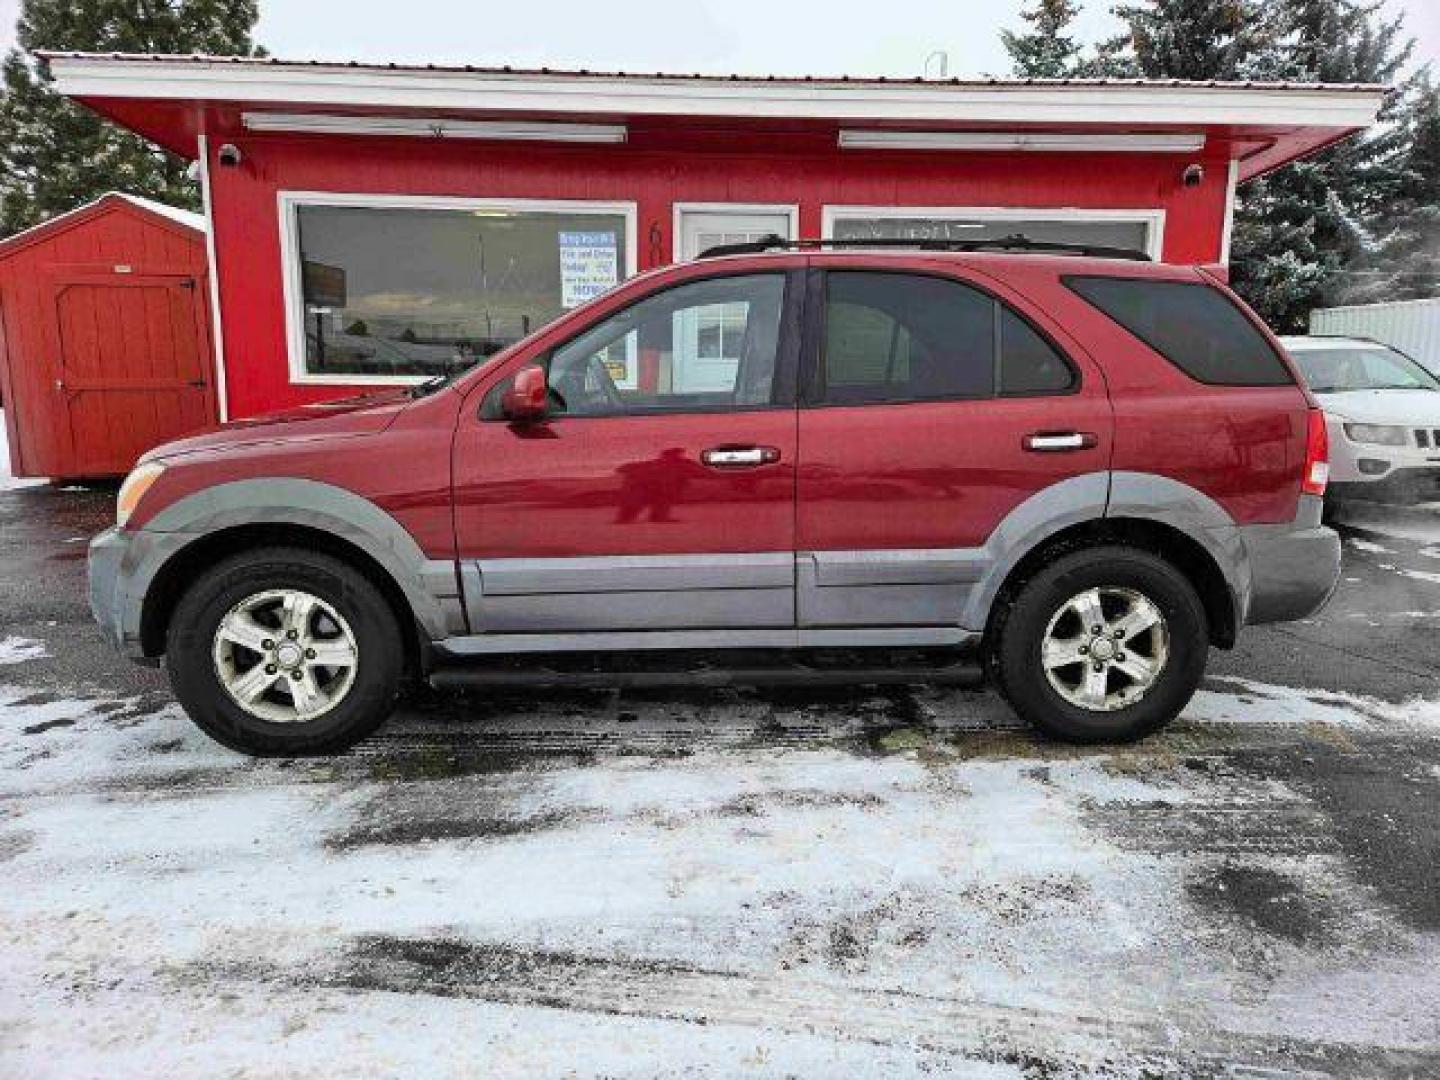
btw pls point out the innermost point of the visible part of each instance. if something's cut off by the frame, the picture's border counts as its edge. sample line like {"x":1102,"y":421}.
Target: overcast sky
{"x":851,"y":37}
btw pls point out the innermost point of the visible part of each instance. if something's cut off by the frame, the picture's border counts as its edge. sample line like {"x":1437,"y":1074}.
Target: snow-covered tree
{"x":1193,"y":39}
{"x":1304,"y":234}
{"x":55,"y":154}
{"x":1311,"y":232}
{"x":1403,"y":260}
{"x":1047,"y":50}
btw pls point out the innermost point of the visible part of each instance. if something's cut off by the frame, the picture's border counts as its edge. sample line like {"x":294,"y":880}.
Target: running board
{"x":965,"y":672}
{"x":845,"y":637}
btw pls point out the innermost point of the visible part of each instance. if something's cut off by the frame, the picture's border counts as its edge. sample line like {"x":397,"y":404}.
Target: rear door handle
{"x":740,"y":457}
{"x":1057,"y":442}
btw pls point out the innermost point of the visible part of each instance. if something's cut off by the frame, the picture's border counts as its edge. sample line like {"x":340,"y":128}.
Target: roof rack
{"x":1015,"y":242}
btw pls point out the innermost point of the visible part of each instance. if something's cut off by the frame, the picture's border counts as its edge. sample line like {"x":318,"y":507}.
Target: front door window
{"x":641,"y":359}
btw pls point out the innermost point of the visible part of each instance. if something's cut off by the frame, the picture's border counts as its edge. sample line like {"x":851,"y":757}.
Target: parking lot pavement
{"x":729,"y":882}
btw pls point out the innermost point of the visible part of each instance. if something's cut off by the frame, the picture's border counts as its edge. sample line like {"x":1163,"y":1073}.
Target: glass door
{"x":708,"y":340}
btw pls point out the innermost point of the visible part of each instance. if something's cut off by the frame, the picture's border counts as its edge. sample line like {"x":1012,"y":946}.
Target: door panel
{"x":897,"y":500}
{"x":592,"y":523}
{"x":133,"y":366}
{"x":645,"y":507}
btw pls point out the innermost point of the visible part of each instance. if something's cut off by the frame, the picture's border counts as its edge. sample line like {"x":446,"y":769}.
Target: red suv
{"x":1083,"y":470}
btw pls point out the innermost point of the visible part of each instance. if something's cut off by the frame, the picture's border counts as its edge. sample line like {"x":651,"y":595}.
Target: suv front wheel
{"x":283,"y":651}
{"x":1106,"y":644}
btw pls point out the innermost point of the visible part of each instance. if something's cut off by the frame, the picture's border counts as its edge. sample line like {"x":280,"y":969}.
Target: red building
{"x":381,"y":224}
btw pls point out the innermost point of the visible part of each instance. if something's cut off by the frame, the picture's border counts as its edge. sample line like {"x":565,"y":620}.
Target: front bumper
{"x":114,"y":560}
{"x":1406,"y":486}
{"x":1294,"y":567}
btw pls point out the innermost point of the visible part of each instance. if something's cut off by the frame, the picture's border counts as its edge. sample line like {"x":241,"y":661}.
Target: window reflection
{"x":420,"y":292}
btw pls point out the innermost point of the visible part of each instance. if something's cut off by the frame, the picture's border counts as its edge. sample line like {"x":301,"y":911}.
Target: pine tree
{"x":1046,"y":51}
{"x":55,"y":154}
{"x":1304,"y":233}
{"x":1403,"y":263}
{"x":1192,"y":39}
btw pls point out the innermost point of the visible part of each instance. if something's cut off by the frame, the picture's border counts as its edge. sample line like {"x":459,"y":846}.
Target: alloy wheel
{"x":1105,"y":648}
{"x":285,"y":655}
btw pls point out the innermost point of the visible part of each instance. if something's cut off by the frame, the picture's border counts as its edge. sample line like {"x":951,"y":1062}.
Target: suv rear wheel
{"x":283,"y":651}
{"x":1106,"y":644}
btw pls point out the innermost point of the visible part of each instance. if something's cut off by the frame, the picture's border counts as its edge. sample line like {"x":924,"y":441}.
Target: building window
{"x":406,"y":289}
{"x":1134,"y":230}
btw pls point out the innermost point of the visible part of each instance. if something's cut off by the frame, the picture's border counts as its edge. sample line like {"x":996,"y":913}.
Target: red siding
{"x":655,"y":171}
{"x":81,"y":254}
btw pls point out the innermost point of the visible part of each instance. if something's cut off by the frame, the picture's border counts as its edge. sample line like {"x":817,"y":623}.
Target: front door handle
{"x":1053,"y":442}
{"x":740,"y":457}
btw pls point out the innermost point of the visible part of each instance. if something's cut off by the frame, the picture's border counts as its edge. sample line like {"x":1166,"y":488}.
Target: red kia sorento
{"x":1076,"y":469}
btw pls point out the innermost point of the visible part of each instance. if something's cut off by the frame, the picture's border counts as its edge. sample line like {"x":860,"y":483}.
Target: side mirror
{"x":528,"y":398}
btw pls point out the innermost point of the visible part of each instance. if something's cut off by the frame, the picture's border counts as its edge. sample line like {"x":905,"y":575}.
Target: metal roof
{"x":582,"y":73}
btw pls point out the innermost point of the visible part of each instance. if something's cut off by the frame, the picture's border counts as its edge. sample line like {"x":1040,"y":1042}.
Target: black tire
{"x":188,"y":656}
{"x":1019,"y":630}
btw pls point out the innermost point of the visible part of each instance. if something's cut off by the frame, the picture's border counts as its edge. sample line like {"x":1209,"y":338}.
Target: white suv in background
{"x":1383,"y":414}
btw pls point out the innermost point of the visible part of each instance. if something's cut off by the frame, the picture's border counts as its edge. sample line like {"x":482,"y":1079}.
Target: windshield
{"x":1361,"y":367}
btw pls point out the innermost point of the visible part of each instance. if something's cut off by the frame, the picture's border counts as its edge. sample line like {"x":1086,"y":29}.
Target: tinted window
{"x":1028,"y":363}
{"x":905,"y":337}
{"x":709,"y":345}
{"x":1196,"y":327}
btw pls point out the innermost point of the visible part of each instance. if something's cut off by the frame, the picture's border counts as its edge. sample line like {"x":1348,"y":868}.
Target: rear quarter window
{"x":1193,"y":325}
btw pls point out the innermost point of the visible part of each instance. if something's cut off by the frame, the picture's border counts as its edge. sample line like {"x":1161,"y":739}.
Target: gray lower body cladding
{"x":758,"y":600}
{"x":115,"y":609}
{"x":1294,"y":567}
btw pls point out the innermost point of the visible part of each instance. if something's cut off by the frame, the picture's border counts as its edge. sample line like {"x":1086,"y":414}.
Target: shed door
{"x":133,"y":366}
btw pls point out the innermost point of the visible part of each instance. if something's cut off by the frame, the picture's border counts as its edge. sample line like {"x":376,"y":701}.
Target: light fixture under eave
{"x":1183,"y":142}
{"x":436,"y":127}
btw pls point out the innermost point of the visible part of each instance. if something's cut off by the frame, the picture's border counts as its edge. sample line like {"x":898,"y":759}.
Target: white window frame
{"x":1153,"y":219}
{"x":289,"y":202}
{"x":680,"y":209}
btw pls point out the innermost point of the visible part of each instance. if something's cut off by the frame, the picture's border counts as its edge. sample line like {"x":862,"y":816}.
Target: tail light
{"x":1317,"y":455}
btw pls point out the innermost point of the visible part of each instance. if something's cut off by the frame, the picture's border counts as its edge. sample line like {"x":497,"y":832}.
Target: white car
{"x":1383,"y":414}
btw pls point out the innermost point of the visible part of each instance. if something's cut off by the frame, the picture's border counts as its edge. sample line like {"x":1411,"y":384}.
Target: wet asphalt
{"x":1369,"y":798}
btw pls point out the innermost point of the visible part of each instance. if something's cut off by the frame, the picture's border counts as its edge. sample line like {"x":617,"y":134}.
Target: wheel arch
{"x":1153,"y":513}
{"x":220,"y":521}
{"x":1158,"y":538}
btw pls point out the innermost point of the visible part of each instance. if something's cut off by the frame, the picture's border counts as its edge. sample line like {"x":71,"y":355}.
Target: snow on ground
{"x":17,"y":650}
{"x":7,"y":481}
{"x":933,"y":900}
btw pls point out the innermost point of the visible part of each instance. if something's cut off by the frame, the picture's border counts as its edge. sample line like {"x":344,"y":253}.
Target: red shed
{"x":104,"y":336}
{"x":380,"y":224}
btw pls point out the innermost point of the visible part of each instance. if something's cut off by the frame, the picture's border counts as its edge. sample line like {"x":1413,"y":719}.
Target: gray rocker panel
{"x":905,"y":636}
{"x":630,"y":592}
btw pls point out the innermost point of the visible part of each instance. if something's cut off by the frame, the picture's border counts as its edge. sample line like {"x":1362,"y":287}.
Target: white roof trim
{"x":189,"y":218}
{"x":351,"y":88}
{"x":183,"y":217}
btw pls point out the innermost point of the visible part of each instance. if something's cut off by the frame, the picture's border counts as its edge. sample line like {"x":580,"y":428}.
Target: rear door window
{"x":893,"y":337}
{"x":1028,"y":363}
{"x":905,"y":337}
{"x":1193,"y":325}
